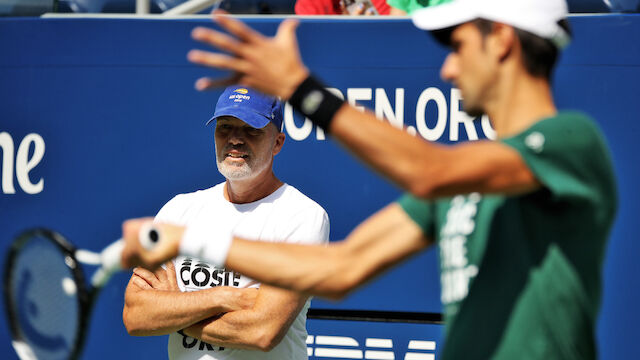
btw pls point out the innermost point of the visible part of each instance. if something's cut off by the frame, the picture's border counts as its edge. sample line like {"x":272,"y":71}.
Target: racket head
{"x":46,"y":298}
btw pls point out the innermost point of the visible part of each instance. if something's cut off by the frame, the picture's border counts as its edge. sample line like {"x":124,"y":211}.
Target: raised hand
{"x":269,"y":64}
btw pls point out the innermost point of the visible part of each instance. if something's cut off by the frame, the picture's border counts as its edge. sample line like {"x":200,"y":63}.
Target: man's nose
{"x":236,"y":137}
{"x":449,"y":69}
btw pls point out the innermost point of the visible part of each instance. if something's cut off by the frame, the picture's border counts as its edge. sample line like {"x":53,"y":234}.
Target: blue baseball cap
{"x":250,"y":106}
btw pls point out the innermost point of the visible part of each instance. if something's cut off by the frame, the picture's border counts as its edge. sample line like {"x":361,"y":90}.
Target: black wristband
{"x":315,"y":102}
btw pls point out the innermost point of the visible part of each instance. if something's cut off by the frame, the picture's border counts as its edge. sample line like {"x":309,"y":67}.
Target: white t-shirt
{"x":285,"y":215}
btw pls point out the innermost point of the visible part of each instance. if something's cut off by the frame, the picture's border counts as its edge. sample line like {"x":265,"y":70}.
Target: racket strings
{"x":45,"y":299}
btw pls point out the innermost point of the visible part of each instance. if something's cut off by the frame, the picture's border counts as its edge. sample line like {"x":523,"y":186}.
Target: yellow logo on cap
{"x":241,"y":91}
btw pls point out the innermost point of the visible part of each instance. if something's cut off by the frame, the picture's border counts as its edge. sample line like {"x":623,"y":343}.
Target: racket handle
{"x":111,"y":256}
{"x":149,"y":236}
{"x":111,"y":259}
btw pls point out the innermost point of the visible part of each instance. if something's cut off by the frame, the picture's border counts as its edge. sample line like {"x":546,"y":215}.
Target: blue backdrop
{"x":99,"y":122}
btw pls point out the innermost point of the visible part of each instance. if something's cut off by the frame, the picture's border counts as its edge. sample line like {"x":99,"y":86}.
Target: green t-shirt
{"x":520,"y":275}
{"x":410,"y":6}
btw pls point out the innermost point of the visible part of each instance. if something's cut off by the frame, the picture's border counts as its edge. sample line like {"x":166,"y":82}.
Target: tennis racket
{"x":47,"y":299}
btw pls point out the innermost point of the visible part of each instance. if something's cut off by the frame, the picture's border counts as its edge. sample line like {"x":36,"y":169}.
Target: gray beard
{"x":234,"y":172}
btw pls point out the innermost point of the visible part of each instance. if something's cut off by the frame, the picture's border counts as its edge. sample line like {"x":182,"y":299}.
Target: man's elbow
{"x":266,"y":345}
{"x":136,"y":332}
{"x":346,"y":287}
{"x":133,"y":327}
{"x":129,"y":324}
{"x":425,"y":181}
{"x":341,"y":276}
{"x":340,"y":288}
{"x":420,"y":189}
{"x":268,"y":340}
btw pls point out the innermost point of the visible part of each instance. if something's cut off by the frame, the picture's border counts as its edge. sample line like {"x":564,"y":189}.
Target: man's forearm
{"x":222,"y":332}
{"x":427,"y":170}
{"x":259,"y":328}
{"x":332,"y":271}
{"x":392,"y":152}
{"x":412,"y":163}
{"x":157,"y":312}
{"x":291,"y":266}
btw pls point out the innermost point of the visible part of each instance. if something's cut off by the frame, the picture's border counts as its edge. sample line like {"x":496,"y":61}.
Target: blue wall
{"x":112,"y":101}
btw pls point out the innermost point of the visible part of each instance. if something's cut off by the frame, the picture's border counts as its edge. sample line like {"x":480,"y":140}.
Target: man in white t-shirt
{"x":211,"y":313}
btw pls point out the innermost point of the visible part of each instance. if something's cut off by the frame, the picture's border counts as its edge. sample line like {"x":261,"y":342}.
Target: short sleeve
{"x":421,"y":211}
{"x":308,"y":226}
{"x":569,"y":156}
{"x":172,"y":211}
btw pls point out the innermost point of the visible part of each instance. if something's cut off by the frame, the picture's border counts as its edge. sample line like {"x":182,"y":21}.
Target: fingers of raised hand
{"x":218,"y":40}
{"x":207,"y":83}
{"x":237,"y":28}
{"x":287,"y":31}
{"x":219,"y":61}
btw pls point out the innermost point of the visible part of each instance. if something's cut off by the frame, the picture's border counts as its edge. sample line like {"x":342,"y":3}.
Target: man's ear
{"x":280,"y":137}
{"x":502,"y":40}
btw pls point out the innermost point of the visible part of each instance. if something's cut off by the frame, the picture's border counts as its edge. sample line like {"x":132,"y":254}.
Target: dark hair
{"x":538,"y":54}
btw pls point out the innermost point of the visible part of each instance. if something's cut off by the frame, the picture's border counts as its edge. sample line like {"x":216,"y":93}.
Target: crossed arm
{"x":255,"y":319}
{"x":260,"y":327}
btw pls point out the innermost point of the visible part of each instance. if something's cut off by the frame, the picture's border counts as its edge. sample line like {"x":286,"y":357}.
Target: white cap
{"x":539,"y":17}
